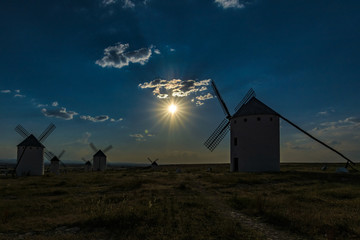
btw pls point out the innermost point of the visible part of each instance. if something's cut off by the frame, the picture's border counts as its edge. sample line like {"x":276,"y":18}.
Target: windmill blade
{"x":156,"y":160}
{"x":20,"y":158}
{"x":93,"y":147}
{"x":61,"y":154}
{"x":248,"y":96}
{"x":107,"y":149}
{"x":22,"y":131}
{"x":218,"y":135}
{"x":149,"y":160}
{"x":84,"y":159}
{"x":47,"y":132}
{"x":317,"y":140}
{"x":62,"y":163}
{"x":222,"y":103}
{"x":49,"y":155}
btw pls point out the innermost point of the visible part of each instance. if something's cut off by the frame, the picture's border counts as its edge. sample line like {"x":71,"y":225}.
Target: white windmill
{"x":55,"y":161}
{"x":255,"y":135}
{"x":99,"y":158}
{"x":30,"y":152}
{"x":154,"y":163}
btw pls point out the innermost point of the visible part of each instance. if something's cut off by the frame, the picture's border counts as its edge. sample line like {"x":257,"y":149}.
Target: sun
{"x":172,"y":108}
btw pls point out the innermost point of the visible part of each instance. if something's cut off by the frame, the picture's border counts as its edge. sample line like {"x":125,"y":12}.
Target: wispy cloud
{"x":142,"y":137}
{"x":157,"y":51}
{"x":138,"y":137}
{"x":108,"y":2}
{"x":19,"y":95}
{"x":326,"y":112}
{"x":172,"y":49}
{"x":230,"y":4}
{"x":59,"y":113}
{"x":101,"y":118}
{"x":117,"y":57}
{"x":116,"y":120}
{"x":177,"y":88}
{"x":5,"y":91}
{"x":128,"y":4}
{"x":55,"y":104}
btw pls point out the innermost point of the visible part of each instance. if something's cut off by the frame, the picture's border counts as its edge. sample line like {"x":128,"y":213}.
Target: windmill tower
{"x":154,"y":163}
{"x":99,"y":158}
{"x":30,"y":152}
{"x":55,"y":161}
{"x":255,"y":135}
{"x":88,"y":165}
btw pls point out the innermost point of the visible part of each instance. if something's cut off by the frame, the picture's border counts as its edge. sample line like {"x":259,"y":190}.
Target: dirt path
{"x":253,"y":223}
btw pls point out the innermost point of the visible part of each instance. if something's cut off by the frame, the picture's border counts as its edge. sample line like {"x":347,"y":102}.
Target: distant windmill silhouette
{"x":55,"y":161}
{"x":99,"y":158}
{"x":255,"y":135}
{"x":154,"y":163}
{"x":88,"y":164}
{"x":30,"y":152}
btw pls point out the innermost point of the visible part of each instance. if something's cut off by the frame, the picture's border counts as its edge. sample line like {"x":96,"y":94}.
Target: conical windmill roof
{"x":31,"y":141}
{"x":99,"y":154}
{"x":254,"y":107}
{"x":55,"y":159}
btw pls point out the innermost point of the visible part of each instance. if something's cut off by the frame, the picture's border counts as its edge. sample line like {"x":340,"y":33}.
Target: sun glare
{"x":172,"y":108}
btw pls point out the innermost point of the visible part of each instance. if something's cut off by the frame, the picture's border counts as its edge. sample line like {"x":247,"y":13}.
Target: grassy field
{"x":300,"y":202}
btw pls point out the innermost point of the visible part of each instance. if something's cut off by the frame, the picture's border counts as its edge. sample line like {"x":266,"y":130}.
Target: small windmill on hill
{"x":154,"y":163}
{"x":30,"y":152}
{"x":55,"y":161}
{"x":255,"y":135}
{"x":88,"y":165}
{"x":99,"y":158}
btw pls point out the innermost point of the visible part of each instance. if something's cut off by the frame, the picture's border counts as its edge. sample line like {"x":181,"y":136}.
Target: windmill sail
{"x":317,"y":140}
{"x":47,"y":132}
{"x":222,"y":103}
{"x":22,"y":131}
{"x":218,"y":135}
{"x":248,"y":96}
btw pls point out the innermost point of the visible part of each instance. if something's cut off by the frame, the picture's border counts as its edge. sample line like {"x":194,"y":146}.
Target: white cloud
{"x":41,"y":105}
{"x":55,"y":104}
{"x":116,"y":120}
{"x":229,"y":4}
{"x":19,"y":95}
{"x":100,"y":118}
{"x":128,"y":4}
{"x":17,"y":90}
{"x":117,"y":57}
{"x":138,"y":137}
{"x":157,"y":51}
{"x":108,"y":2}
{"x":326,"y":112}
{"x":205,"y":97}
{"x":177,"y":87}
{"x":172,"y":50}
{"x":5,"y":91}
{"x":59,"y":113}
{"x":85,"y":138}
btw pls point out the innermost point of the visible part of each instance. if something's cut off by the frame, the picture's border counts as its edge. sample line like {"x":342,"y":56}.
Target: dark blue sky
{"x":98,"y":68}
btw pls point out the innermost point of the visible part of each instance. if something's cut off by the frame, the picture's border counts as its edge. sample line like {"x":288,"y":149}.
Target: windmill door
{"x":236,"y":164}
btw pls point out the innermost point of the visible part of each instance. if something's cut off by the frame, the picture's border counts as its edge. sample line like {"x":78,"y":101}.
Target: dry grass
{"x":163,"y":204}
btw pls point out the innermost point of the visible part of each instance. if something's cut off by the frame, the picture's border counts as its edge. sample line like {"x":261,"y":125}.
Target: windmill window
{"x":245,"y":119}
{"x":258,"y":118}
{"x":271,"y":119}
{"x":235,"y":141}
